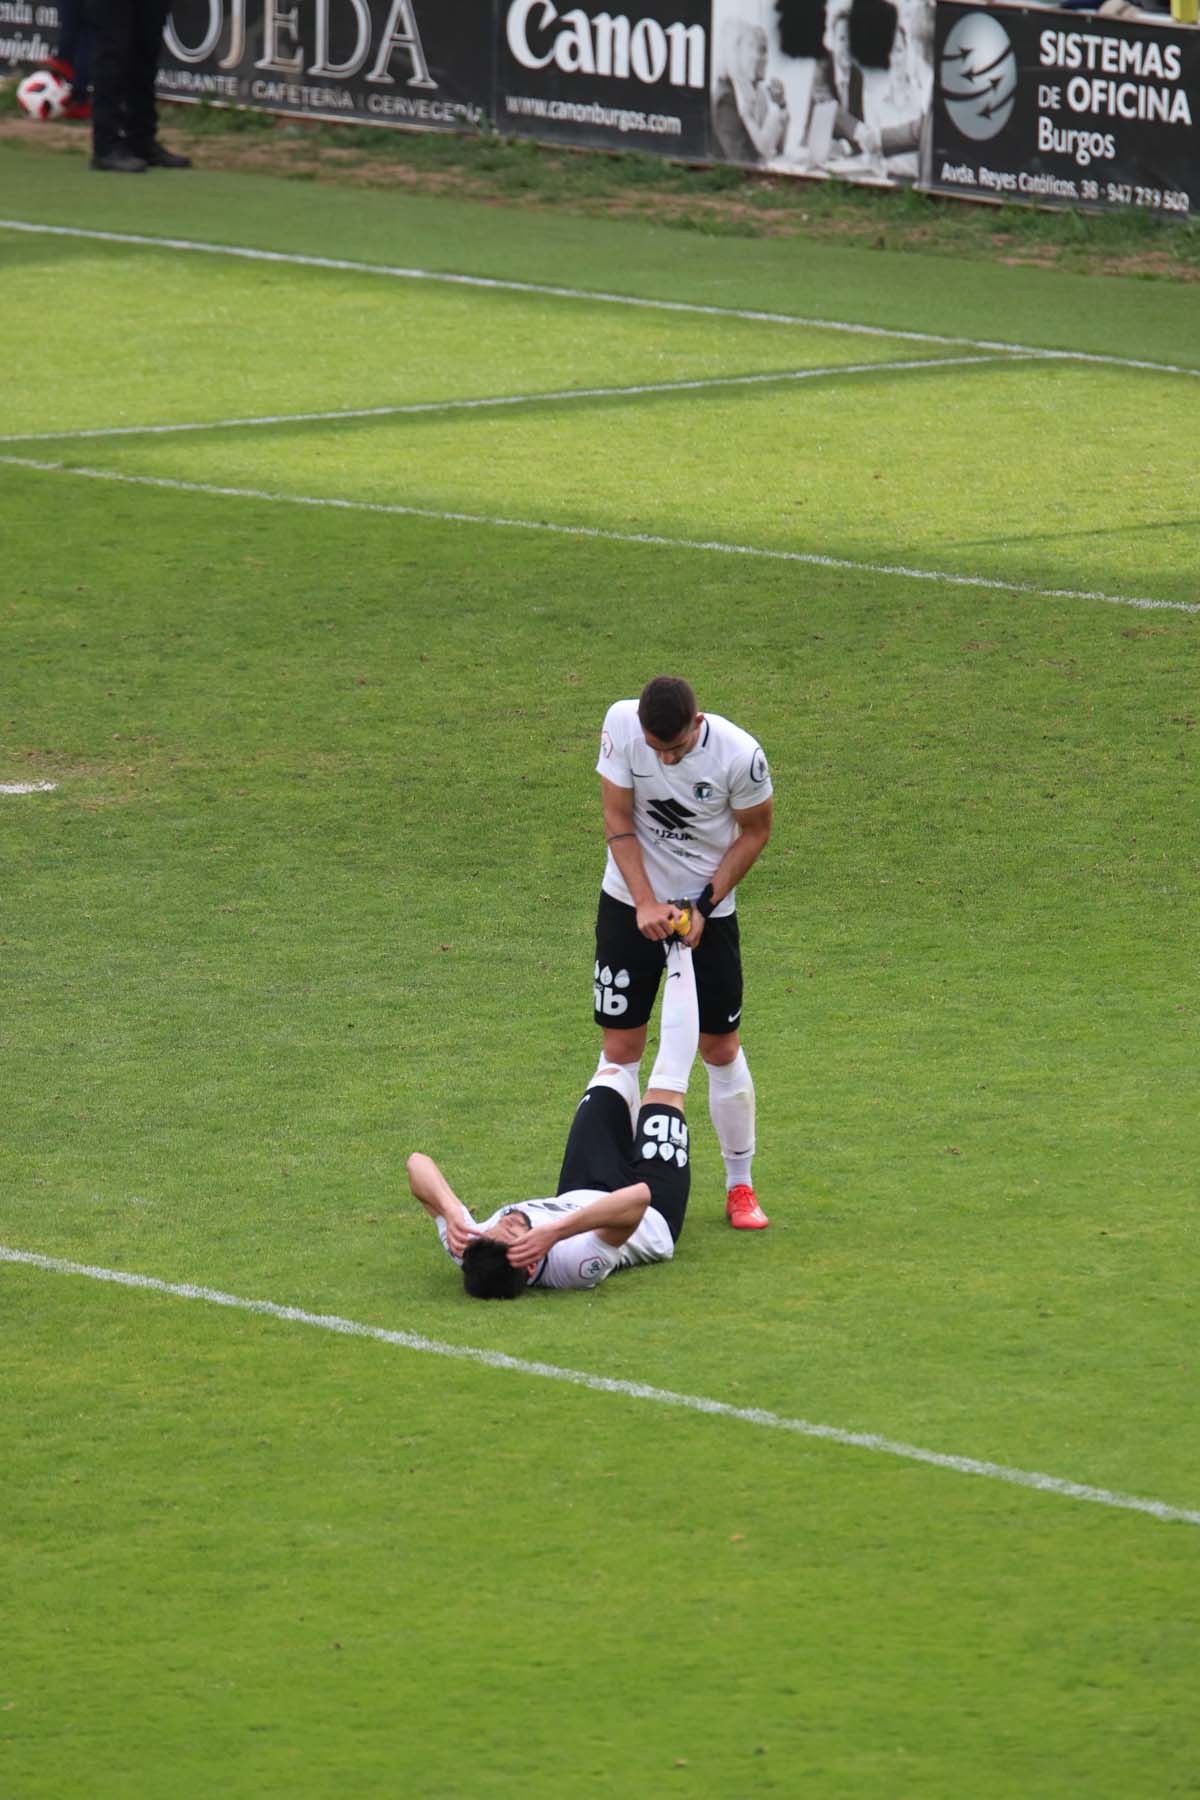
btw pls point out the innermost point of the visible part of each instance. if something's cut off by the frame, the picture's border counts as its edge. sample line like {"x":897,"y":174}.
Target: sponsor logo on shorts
{"x":610,"y":999}
{"x":665,"y":1138}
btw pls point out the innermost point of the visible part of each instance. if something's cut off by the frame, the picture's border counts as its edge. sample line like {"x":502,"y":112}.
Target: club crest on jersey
{"x":591,"y":1266}
{"x":606,"y":744}
{"x":703,"y":790}
{"x":758,"y":766}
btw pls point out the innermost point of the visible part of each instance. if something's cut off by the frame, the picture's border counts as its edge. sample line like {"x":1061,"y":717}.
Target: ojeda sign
{"x":400,"y":62}
{"x":284,"y":51}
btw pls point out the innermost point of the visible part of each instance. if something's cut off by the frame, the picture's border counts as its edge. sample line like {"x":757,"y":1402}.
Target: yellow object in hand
{"x":683,"y":923}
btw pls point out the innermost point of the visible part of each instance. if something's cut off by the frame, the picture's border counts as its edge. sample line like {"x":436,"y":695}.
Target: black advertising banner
{"x":425,"y":63}
{"x":28,"y":31}
{"x":590,"y":74}
{"x":1065,"y":109}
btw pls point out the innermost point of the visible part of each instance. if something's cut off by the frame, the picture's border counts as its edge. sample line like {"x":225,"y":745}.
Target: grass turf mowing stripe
{"x":592,"y":296}
{"x":633,"y":1390}
{"x":394,"y":509}
{"x":555,"y":394}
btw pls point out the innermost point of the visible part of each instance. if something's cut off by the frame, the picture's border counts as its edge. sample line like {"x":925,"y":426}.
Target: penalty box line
{"x":596,"y":533}
{"x":419,"y":407}
{"x":631,"y":1390}
{"x":546,"y":290}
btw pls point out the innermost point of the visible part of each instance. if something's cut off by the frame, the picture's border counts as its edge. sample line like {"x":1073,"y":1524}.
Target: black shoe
{"x":159,"y":157}
{"x":120,"y":161}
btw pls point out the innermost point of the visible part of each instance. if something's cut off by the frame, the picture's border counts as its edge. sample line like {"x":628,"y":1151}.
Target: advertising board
{"x":424,"y":63}
{"x":590,"y":74}
{"x":1001,"y":102}
{"x":1065,"y":109}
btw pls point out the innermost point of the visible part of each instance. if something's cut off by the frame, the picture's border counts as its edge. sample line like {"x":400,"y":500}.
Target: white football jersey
{"x":682,"y":812}
{"x":583,"y":1261}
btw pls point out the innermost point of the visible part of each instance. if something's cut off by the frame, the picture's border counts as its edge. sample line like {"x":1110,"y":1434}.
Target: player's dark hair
{"x":488,"y":1274}
{"x":667,"y":707}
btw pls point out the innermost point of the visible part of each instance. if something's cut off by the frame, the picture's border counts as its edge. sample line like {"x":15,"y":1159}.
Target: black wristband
{"x":705,"y":903}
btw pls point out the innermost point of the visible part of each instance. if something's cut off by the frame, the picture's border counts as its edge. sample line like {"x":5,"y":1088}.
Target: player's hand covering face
{"x":459,"y":1235}
{"x":508,"y":1229}
{"x":529,"y":1249}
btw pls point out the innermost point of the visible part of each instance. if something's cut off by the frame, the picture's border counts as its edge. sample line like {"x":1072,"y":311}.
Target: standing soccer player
{"x":687,"y":811}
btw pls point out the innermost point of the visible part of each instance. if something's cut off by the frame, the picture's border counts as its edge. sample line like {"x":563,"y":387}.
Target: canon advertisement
{"x":590,"y":74}
{"x":1065,"y":109}
{"x":423,"y":63}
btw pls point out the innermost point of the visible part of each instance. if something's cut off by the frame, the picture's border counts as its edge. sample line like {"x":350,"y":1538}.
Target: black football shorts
{"x":629,"y":968}
{"x":603,"y":1152}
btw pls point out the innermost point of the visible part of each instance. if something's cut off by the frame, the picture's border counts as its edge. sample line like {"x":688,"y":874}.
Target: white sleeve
{"x":613,"y":762}
{"x":750,"y":779}
{"x":578,"y":1262}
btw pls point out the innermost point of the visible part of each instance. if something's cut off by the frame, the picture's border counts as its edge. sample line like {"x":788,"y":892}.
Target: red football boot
{"x":743,"y":1211}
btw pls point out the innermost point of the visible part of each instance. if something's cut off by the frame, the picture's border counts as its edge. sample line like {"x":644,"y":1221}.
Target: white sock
{"x":628,"y":1088}
{"x":679,"y":1027}
{"x":731,"y":1108}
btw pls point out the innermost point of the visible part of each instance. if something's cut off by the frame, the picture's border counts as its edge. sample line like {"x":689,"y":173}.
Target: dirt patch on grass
{"x":717,"y":202}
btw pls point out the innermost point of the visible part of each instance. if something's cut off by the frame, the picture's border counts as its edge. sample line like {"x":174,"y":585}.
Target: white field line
{"x":588,"y":295}
{"x":632,"y":1390}
{"x":598,"y":533}
{"x":27,"y":787}
{"x":555,"y":394}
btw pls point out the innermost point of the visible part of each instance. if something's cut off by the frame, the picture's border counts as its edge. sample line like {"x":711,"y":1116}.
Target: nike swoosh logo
{"x":674,"y":975}
{"x":734,"y":1017}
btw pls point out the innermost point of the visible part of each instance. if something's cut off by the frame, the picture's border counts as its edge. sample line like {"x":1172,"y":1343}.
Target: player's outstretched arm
{"x":613,"y":1217}
{"x":440,"y":1201}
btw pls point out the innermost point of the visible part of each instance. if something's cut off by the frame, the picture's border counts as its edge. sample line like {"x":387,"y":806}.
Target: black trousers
{"x":126,"y":45}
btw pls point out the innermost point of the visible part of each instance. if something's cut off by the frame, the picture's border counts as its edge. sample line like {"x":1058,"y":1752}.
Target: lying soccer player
{"x":623,"y":1187}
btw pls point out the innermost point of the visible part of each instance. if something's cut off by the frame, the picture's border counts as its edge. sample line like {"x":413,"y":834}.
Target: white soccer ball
{"x":43,"y":95}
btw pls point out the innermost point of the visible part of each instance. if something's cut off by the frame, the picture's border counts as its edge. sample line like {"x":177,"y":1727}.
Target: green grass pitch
{"x":314,"y":887}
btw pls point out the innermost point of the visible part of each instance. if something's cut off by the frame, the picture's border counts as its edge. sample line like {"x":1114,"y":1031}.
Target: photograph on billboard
{"x":823,"y":87}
